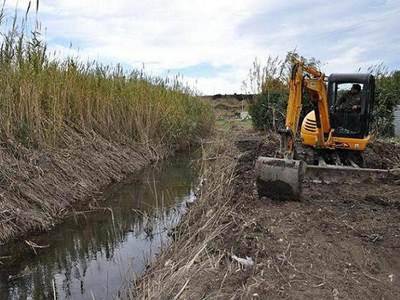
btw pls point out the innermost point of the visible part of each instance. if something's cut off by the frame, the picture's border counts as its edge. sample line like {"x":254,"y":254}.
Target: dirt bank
{"x":340,"y":242}
{"x":39,"y":187}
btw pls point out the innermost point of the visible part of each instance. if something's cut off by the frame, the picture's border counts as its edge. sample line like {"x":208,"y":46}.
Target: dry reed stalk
{"x":41,"y":96}
{"x":191,"y":252}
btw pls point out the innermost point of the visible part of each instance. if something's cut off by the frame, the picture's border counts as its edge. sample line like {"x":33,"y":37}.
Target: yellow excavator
{"x":332,"y":136}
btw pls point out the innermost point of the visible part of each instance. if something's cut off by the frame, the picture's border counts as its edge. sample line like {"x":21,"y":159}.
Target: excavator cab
{"x":351,"y":100}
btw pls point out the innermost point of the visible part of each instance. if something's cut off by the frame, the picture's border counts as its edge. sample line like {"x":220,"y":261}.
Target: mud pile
{"x":382,"y":155}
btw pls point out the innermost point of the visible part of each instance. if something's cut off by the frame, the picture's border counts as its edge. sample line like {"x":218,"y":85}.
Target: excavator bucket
{"x":279,"y":179}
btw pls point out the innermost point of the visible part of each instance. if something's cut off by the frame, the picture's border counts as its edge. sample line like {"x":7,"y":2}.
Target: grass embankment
{"x":67,"y":128}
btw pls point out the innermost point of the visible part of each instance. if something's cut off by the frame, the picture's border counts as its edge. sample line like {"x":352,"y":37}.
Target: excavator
{"x":332,"y":139}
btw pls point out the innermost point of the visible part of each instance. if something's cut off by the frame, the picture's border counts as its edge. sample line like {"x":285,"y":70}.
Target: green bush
{"x":268,"y":110}
{"x":387,"y":96}
{"x":269,"y":81}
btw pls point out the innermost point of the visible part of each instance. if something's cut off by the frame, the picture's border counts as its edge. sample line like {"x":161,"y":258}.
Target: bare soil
{"x":341,"y":241}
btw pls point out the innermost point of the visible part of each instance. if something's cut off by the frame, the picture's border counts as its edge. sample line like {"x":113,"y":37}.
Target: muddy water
{"x":93,"y":254}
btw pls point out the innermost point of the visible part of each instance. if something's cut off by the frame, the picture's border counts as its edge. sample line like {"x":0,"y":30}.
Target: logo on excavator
{"x":342,"y":145}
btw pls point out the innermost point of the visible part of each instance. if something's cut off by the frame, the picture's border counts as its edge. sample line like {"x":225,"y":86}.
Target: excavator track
{"x":325,"y":157}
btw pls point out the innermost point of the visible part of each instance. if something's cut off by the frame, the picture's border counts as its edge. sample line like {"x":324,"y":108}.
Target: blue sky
{"x":213,"y":43}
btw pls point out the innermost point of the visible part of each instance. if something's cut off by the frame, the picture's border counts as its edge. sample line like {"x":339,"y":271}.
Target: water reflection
{"x":90,"y":255}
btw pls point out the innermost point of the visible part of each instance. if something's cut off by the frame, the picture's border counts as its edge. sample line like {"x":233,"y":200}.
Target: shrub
{"x":387,"y":96}
{"x":268,"y":110}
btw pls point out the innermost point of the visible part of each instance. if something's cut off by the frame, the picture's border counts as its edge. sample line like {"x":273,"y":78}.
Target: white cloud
{"x":224,"y":82}
{"x":176,"y":34}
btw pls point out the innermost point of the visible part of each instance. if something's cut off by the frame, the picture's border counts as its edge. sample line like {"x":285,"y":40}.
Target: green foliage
{"x":387,"y":96}
{"x":268,"y":110}
{"x":269,"y":83}
{"x":40,"y":96}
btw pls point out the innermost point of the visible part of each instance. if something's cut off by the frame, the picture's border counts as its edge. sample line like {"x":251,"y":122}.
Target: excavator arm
{"x":302,"y":78}
{"x":281,"y":178}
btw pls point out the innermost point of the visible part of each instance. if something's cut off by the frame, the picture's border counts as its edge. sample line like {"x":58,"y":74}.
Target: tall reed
{"x":41,"y":96}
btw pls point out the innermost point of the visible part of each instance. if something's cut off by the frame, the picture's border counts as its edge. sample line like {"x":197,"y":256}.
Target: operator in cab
{"x":351,"y":100}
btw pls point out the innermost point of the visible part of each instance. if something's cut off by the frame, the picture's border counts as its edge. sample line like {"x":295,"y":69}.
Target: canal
{"x":95,"y":252}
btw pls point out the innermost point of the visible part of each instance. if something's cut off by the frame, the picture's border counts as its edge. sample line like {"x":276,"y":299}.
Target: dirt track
{"x":341,"y":241}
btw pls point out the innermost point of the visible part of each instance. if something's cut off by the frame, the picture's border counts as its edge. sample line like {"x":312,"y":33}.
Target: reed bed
{"x":41,"y":95}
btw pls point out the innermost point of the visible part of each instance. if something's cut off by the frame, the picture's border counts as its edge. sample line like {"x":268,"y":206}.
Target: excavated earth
{"x":341,"y":241}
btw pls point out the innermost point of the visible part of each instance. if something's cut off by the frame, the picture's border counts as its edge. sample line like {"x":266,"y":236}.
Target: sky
{"x":212,"y":44}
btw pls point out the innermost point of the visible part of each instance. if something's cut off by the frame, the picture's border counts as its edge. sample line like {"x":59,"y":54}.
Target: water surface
{"x":93,"y":254}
